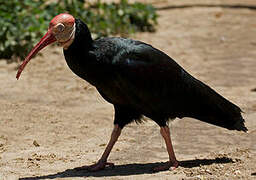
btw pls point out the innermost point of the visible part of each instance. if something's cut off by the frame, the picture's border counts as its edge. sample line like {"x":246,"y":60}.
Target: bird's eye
{"x":60,"y":27}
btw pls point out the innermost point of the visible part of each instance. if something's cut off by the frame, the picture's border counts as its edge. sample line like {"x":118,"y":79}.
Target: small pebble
{"x":35,"y":143}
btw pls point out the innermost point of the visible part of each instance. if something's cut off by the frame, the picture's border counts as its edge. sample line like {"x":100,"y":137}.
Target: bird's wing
{"x":149,"y":78}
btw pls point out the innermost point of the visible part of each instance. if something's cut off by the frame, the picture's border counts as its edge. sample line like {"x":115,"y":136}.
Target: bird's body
{"x":139,"y":80}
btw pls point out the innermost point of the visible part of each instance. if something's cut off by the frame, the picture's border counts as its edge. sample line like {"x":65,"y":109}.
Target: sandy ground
{"x":52,"y":122}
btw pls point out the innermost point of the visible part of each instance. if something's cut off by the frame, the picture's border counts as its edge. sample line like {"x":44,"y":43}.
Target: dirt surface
{"x":52,"y":122}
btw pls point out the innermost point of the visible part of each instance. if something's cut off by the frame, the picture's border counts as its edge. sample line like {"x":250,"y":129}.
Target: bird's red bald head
{"x":63,"y":18}
{"x":61,"y":29}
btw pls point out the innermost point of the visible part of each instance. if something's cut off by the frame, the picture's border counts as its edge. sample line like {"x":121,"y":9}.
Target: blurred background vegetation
{"x":23,"y":22}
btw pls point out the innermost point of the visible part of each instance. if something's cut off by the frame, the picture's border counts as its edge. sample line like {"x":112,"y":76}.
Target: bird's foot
{"x":100,"y":165}
{"x":167,"y":166}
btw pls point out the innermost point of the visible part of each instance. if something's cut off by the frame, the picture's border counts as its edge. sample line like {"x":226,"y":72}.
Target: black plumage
{"x":140,"y":80}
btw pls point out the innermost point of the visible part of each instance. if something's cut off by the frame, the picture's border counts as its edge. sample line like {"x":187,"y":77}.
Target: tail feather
{"x":215,"y":109}
{"x":239,"y":125}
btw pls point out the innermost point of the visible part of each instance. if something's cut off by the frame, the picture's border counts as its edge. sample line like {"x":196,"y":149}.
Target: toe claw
{"x":111,"y":165}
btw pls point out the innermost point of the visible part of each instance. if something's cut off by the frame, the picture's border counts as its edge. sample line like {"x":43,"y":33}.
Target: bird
{"x":139,"y":81}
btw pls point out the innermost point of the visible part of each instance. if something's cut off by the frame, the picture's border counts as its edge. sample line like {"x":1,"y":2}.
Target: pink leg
{"x":102,"y":163}
{"x":172,"y":163}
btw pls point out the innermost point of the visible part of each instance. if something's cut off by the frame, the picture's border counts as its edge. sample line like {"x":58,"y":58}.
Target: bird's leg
{"x":172,"y":163}
{"x":114,"y":136}
{"x":102,"y":163}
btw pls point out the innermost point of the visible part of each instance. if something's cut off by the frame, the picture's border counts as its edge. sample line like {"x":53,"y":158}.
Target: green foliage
{"x":18,"y":28}
{"x":23,"y":22}
{"x":122,"y":18}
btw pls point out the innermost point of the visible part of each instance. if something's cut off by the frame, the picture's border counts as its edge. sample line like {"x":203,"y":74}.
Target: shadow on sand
{"x":129,"y":169}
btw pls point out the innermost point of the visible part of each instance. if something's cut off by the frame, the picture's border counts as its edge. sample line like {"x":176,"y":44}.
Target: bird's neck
{"x":83,"y":39}
{"x":77,"y":54}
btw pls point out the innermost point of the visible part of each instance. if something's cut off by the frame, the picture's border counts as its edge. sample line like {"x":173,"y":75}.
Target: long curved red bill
{"x":46,"y":40}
